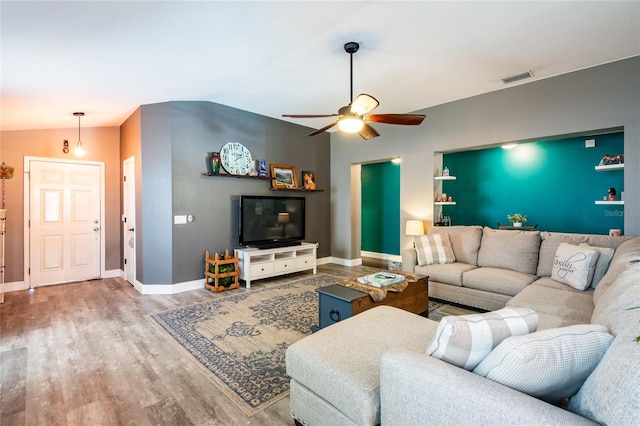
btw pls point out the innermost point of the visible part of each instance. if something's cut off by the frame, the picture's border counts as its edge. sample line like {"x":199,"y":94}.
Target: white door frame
{"x":27,"y":210}
{"x":129,"y":213}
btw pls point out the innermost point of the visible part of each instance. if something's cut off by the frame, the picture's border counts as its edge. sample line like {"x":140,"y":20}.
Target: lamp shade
{"x":414,"y":227}
{"x":283,"y":217}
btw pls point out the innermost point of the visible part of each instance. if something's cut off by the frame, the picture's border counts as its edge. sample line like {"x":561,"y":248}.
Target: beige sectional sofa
{"x":374,"y":368}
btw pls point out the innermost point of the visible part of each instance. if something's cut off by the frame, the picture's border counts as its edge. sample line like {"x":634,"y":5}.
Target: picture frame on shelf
{"x":308,"y":180}
{"x":283,"y":177}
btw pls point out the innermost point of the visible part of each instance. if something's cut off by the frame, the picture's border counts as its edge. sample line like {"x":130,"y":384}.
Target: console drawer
{"x":285,"y":265}
{"x":261,"y":269}
{"x":305,"y":262}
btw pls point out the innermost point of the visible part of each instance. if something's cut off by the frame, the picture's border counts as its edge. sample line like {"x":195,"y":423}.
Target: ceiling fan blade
{"x":363,"y":104}
{"x":405,"y":119}
{"x":325,"y":128}
{"x":368,"y":132}
{"x":309,"y":115}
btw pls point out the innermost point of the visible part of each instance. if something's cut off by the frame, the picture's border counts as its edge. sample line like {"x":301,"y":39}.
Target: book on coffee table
{"x":381,"y":279}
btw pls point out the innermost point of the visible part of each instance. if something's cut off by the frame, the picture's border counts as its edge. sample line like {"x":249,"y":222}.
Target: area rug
{"x":239,"y":341}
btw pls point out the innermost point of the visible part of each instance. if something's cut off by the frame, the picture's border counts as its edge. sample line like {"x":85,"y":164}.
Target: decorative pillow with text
{"x":602,"y":265}
{"x":574,"y":265}
{"x":434,"y":248}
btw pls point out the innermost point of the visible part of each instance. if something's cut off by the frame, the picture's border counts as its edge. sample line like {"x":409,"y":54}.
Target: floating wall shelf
{"x":617,"y":203}
{"x":609,"y":167}
{"x":444,"y":178}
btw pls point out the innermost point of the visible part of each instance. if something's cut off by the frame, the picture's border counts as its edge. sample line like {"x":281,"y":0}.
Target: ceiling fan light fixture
{"x":350,"y":124}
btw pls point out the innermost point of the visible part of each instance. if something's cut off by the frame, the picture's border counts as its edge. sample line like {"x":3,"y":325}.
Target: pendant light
{"x":79,"y":150}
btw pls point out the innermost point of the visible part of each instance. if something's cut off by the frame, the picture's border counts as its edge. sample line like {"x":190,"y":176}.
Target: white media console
{"x":256,"y":263}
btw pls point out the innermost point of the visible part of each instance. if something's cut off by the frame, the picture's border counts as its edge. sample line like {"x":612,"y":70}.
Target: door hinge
{"x":125,"y":261}
{"x":124,"y":178}
{"x":29,"y":271}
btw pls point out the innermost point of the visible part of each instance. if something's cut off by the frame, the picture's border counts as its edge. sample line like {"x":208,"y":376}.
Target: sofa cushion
{"x":551,"y":241}
{"x":433,"y":249}
{"x":548,"y":282}
{"x":341,"y":362}
{"x":465,"y":241}
{"x":465,"y":340}
{"x":496,"y":280}
{"x":549,"y":364}
{"x":623,"y":259}
{"x":574,"y":265}
{"x":604,"y":258}
{"x":450,"y":273}
{"x":565,"y":304}
{"x":515,"y":250}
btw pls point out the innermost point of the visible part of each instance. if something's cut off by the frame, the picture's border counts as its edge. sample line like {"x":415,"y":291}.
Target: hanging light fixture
{"x":79,"y":150}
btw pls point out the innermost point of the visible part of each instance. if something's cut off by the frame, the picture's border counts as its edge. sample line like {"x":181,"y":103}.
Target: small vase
{"x":517,"y":224}
{"x":215,"y":163}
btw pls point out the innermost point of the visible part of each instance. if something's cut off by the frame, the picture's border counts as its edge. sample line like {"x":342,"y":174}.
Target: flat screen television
{"x":267,"y":221}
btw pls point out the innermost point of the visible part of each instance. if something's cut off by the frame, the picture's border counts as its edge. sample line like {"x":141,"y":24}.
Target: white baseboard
{"x":113,"y":273}
{"x":14,"y":286}
{"x":381,"y":256}
{"x":169,"y":288}
{"x":346,"y":262}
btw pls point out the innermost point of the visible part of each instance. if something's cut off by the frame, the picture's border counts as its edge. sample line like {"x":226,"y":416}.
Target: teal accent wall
{"x":553,"y":182}
{"x":380,"y":208}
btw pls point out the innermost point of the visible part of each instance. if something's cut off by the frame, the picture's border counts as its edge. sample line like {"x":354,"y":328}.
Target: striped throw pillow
{"x":434,"y":248}
{"x":465,"y":340}
{"x":549,"y":364}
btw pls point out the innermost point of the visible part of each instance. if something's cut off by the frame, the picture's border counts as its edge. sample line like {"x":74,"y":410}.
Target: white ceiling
{"x":274,"y":58}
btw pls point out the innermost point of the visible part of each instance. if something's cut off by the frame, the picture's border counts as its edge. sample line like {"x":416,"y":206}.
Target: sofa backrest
{"x":465,"y":241}
{"x":515,"y":250}
{"x":610,"y":393}
{"x":551,"y":241}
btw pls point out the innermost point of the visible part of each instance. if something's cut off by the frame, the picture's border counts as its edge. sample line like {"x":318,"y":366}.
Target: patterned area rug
{"x":239,"y":341}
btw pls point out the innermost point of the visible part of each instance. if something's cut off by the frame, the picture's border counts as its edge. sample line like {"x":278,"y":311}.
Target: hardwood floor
{"x":83,"y":354}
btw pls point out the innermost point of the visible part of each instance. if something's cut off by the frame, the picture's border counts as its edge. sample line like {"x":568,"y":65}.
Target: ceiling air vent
{"x":517,"y":77}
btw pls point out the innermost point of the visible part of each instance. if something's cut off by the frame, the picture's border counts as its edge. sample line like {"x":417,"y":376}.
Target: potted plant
{"x":517,"y":219}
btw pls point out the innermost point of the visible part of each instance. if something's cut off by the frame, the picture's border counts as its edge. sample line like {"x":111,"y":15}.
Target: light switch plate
{"x":180,"y":219}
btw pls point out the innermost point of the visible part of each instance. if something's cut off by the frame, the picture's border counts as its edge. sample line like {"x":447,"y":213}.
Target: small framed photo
{"x":283,"y":176}
{"x":309,"y":180}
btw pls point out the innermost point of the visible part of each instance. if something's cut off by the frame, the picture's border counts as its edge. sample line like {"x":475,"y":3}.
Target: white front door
{"x":129,"y":219}
{"x":64,"y":216}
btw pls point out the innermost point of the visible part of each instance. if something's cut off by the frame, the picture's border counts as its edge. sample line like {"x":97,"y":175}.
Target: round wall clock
{"x":236,"y":158}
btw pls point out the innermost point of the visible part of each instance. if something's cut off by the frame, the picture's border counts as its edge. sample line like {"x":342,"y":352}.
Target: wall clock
{"x":236,"y":158}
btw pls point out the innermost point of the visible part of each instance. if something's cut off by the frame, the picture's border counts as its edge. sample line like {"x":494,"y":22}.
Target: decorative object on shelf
{"x":443,"y":197}
{"x":615,"y":232}
{"x":517,"y":219}
{"x":223,"y":272}
{"x":283,"y":176}
{"x":235,"y":158}
{"x":262,"y":170}
{"x":445,"y":171}
{"x":610,"y":159}
{"x":213,"y":163}
{"x":612,"y":194}
{"x":309,"y":180}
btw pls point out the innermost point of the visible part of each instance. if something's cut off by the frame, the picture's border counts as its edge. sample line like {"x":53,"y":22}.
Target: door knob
{"x":96,"y":229}
{"x":130,"y":229}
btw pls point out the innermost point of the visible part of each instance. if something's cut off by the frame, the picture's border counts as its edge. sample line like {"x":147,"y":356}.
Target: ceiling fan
{"x":353,"y":118}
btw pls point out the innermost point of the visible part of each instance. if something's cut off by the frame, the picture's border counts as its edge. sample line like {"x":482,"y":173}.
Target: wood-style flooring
{"x":83,"y":354}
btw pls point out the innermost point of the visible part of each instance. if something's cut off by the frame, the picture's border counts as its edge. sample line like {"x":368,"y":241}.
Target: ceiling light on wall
{"x":517,"y":77}
{"x":79,"y":150}
{"x":509,"y":145}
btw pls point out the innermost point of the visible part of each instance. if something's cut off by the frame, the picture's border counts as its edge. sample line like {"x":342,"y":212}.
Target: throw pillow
{"x":434,"y":248}
{"x":602,"y":264}
{"x":574,"y":265}
{"x":550,"y":364}
{"x":465,"y":340}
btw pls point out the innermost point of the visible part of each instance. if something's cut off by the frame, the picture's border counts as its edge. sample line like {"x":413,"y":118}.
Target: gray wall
{"x":603,"y":97}
{"x":176,"y":137}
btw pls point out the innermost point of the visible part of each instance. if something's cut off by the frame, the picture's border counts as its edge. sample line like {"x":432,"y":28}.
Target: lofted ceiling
{"x":272,"y":58}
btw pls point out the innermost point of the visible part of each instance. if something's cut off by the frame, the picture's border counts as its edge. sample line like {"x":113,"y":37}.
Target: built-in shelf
{"x":444,"y":178}
{"x":618,"y":203}
{"x":609,"y":167}
{"x":236,"y":176}
{"x":297,"y":190}
{"x":445,"y":203}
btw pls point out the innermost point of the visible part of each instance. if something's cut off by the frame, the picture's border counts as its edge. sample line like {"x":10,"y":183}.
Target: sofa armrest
{"x":409,"y":260}
{"x":416,"y":389}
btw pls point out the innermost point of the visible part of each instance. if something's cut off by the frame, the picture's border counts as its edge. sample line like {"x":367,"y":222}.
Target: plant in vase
{"x":517,"y":219}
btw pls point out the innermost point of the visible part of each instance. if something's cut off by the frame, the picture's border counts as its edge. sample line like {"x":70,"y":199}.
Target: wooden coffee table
{"x":337,"y":302}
